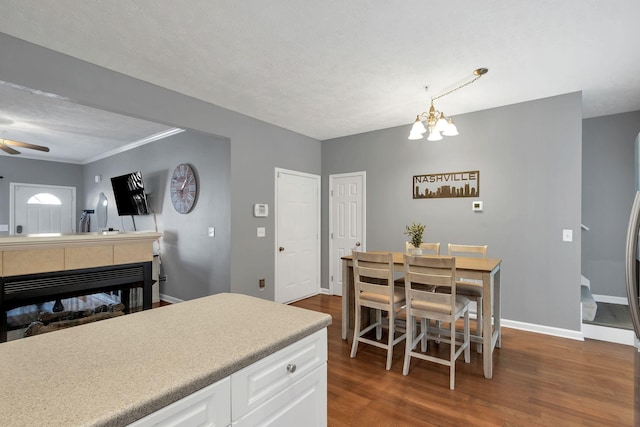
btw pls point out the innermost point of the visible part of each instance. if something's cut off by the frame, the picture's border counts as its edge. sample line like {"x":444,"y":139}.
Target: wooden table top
{"x":464,"y":263}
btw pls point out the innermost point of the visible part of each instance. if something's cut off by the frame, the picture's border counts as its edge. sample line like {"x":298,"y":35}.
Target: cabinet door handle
{"x":291,"y":368}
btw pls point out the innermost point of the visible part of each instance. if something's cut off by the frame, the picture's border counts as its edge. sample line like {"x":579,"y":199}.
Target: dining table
{"x":486,"y":270}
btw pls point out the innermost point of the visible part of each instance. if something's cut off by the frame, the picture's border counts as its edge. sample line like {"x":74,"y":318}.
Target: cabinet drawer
{"x":255,"y":384}
{"x":304,"y":403}
{"x":210,"y":407}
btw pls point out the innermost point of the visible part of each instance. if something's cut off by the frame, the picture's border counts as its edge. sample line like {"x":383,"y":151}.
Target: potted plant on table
{"x":415,"y":232}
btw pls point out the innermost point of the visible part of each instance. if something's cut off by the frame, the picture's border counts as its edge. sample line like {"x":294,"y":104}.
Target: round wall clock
{"x":183,"y":188}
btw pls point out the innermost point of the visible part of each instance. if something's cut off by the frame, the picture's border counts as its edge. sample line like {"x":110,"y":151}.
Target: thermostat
{"x":477,"y":206}
{"x":260,"y":210}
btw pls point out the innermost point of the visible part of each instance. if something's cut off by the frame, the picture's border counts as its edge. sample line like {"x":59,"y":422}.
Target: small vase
{"x":415,"y":251}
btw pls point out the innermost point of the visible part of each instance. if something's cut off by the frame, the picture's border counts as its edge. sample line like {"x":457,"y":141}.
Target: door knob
{"x":281,"y":248}
{"x":357,"y":243}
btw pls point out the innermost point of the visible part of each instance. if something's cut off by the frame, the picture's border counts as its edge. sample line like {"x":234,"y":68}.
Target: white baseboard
{"x":602,"y":333}
{"x":619,"y":336}
{"x":540,"y":329}
{"x":168,"y":298}
{"x":610,"y":299}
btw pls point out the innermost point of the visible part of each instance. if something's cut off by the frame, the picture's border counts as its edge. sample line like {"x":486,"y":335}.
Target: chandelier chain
{"x":435,"y":121}
{"x":457,"y":88}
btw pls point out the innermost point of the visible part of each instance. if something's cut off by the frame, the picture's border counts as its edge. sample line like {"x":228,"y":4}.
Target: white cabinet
{"x":303,"y":403}
{"x":286,"y":388}
{"x":209,"y":407}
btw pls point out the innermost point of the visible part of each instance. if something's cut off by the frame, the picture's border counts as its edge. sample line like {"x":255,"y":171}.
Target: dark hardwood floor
{"x":538,"y":380}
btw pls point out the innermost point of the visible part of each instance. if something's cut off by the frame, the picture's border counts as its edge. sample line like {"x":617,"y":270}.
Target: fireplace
{"x":18,"y":291}
{"x":40,"y":268}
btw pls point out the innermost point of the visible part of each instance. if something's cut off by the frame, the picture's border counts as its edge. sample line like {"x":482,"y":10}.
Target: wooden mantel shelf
{"x":41,"y":253}
{"x":28,"y":241}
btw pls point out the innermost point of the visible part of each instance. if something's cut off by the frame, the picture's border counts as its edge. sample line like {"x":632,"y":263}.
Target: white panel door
{"x":297,"y":269}
{"x":42,"y":209}
{"x":347,"y":222}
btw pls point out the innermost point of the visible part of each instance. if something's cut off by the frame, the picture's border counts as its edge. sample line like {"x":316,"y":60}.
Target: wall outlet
{"x":211,"y":231}
{"x":261,"y":232}
{"x":567,"y":235}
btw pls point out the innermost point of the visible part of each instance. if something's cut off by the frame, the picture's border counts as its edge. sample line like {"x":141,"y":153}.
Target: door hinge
{"x":332,"y":235}
{"x":332,"y":278}
{"x":331,"y":193}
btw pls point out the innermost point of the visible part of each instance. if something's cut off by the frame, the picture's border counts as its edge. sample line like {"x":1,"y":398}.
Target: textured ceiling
{"x":72,"y":132}
{"x":334,"y":68}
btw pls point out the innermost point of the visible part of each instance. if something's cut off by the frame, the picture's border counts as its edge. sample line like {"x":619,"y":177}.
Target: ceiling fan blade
{"x":7,"y":149}
{"x":25,"y":145}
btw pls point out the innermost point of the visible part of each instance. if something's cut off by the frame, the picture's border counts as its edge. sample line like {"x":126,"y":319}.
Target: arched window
{"x":44,"y":199}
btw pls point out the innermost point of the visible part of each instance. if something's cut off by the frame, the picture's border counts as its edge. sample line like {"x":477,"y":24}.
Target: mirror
{"x":101,"y":211}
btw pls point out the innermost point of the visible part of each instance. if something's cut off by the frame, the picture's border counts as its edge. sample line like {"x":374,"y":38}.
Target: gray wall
{"x":256,"y":147}
{"x":529,"y":158}
{"x":27,"y":171}
{"x":607,"y":195}
{"x":195,"y":264}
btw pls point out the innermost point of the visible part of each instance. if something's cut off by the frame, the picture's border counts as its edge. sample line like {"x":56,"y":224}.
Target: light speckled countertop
{"x":113,"y":372}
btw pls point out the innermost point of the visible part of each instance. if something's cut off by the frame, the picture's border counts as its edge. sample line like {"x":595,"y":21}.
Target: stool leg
{"x":356,"y":331}
{"x":479,"y":322}
{"x":408,"y":344}
{"x":392,"y":334}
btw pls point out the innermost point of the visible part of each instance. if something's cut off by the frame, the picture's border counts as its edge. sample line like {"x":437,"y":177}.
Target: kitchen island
{"x":117,"y":371}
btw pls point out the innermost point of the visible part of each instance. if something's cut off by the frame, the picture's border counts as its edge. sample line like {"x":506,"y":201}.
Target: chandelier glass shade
{"x":436,"y":122}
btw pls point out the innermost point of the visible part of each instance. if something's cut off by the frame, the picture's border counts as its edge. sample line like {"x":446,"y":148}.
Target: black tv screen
{"x":128,"y":191}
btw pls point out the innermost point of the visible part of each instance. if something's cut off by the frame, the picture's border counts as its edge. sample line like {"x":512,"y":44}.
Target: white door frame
{"x":363,"y":241}
{"x":13,"y":185}
{"x":318,"y":225}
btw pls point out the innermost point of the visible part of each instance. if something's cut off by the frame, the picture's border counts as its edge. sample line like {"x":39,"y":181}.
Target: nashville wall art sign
{"x":446,"y":185}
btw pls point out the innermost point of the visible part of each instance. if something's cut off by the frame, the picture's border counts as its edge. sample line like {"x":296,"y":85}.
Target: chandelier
{"x":436,"y":121}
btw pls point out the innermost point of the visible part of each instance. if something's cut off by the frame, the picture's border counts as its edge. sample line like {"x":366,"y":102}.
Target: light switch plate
{"x":567,"y":235}
{"x":211,"y":231}
{"x":261,"y":232}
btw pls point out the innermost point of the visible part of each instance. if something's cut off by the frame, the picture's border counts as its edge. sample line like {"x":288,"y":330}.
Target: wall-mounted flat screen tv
{"x":128,"y":191}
